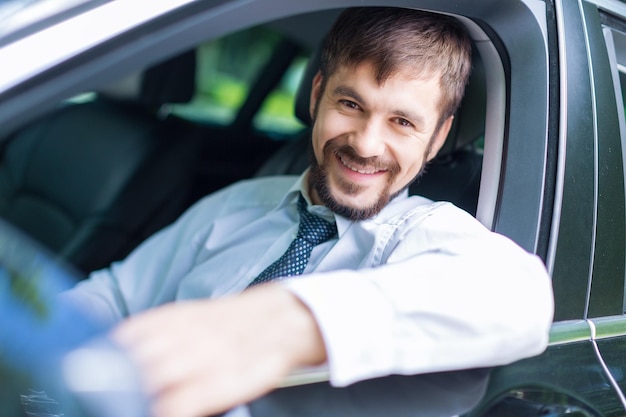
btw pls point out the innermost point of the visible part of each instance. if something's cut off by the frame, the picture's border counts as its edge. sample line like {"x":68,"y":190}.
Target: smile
{"x":368,"y":171}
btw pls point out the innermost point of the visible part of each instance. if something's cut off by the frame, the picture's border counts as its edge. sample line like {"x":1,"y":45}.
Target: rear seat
{"x":454,"y":175}
{"x":91,"y":180}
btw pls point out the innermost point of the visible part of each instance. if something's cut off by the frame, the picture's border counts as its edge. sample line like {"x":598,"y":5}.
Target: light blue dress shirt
{"x":421,"y":287}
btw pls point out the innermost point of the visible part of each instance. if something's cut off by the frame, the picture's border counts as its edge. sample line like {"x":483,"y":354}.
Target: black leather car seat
{"x":454,"y":175}
{"x":91,"y":180}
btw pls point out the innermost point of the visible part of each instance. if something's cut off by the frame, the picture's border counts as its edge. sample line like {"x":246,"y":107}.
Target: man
{"x":402,"y":285}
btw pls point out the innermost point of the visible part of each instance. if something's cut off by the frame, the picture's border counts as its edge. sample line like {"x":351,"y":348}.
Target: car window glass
{"x":277,"y":112}
{"x":616,"y":45}
{"x":227,"y":68}
{"x":616,"y":48}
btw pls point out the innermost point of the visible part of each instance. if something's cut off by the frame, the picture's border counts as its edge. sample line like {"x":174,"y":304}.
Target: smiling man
{"x":338,"y":267}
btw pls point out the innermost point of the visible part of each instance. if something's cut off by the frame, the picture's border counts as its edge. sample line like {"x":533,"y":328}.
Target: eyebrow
{"x":343,"y":90}
{"x":415,"y":118}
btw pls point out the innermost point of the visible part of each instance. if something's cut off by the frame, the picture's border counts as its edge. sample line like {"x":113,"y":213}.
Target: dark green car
{"x":115,"y":116}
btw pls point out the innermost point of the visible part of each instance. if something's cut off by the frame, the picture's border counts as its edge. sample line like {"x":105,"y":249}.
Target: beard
{"x":319,"y":181}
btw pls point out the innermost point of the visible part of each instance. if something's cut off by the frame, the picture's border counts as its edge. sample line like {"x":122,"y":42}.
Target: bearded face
{"x":371,"y":140}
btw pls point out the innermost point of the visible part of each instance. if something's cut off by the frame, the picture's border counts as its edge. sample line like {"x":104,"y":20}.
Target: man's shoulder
{"x":406,"y":205}
{"x":270,"y":188}
{"x":258,"y":194}
{"x":412,"y":207}
{"x":252,"y":193}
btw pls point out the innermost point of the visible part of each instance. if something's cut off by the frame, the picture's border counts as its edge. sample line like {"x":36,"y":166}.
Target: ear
{"x":440,"y":138}
{"x":316,"y":86}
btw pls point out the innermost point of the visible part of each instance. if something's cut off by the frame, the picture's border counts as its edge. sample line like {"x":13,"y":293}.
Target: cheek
{"x":410,"y":159}
{"x":328,"y":126}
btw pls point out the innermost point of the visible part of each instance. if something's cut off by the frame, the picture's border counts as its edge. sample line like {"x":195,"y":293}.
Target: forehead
{"x":407,"y":71}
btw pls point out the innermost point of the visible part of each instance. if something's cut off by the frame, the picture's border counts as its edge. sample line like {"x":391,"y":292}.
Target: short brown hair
{"x":392,"y":38}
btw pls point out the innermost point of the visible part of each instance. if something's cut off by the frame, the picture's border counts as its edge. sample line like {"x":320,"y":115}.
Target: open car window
{"x":227,"y":72}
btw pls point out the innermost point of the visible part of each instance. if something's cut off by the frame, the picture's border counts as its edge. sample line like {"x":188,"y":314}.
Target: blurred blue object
{"x":54,"y":359}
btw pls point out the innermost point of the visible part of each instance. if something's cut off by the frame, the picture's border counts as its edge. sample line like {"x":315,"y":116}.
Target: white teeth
{"x":360,"y":171}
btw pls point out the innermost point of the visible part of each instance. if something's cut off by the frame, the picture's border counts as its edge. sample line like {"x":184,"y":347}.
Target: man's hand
{"x":199,"y":358}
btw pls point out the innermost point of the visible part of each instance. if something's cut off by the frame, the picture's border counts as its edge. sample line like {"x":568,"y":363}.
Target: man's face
{"x":371,"y":141}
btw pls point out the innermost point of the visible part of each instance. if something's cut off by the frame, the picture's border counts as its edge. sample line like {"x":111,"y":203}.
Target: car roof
{"x":20,"y":18}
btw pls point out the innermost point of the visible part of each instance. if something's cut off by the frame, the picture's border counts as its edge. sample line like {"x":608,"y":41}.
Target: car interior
{"x":91,"y":180}
{"x":96,"y":176}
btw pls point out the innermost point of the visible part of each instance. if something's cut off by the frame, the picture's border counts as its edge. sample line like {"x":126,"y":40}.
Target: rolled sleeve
{"x":354,"y":321}
{"x":480,"y":302}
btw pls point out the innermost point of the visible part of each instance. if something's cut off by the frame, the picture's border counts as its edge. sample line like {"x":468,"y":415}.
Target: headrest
{"x":303,"y":95}
{"x":171,"y":81}
{"x":469,"y":120}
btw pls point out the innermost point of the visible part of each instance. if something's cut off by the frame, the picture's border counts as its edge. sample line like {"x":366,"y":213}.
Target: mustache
{"x":349,"y":154}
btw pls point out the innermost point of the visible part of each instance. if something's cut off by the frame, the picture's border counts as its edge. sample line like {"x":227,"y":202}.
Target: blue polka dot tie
{"x":312,"y":231}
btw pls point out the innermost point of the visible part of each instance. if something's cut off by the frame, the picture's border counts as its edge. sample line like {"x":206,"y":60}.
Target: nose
{"x":368,"y":140}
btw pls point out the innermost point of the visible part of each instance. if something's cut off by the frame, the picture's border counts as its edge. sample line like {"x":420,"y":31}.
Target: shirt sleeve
{"x":453,"y":295}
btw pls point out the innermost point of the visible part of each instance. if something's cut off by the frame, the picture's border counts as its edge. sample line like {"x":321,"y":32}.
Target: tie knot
{"x":313,"y":228}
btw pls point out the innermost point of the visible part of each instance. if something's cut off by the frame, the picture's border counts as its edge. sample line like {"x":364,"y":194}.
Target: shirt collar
{"x":291,"y":196}
{"x":301,"y":186}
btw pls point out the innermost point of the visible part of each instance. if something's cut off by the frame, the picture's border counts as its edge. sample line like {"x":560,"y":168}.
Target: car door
{"x":581,"y":372}
{"x":609,"y":320}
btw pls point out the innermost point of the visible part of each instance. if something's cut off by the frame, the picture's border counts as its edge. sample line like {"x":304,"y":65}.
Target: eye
{"x":403,"y":122}
{"x":350,"y":104}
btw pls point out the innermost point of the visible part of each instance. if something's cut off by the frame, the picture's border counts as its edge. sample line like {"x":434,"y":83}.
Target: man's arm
{"x":199,"y":358}
{"x":480,"y":301}
{"x":452,"y":295}
{"x":204,"y":357}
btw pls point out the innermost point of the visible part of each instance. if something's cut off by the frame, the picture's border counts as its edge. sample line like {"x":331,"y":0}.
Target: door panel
{"x":551,"y":383}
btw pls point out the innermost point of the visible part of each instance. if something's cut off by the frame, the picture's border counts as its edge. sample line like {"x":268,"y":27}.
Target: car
{"x":115,"y":116}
